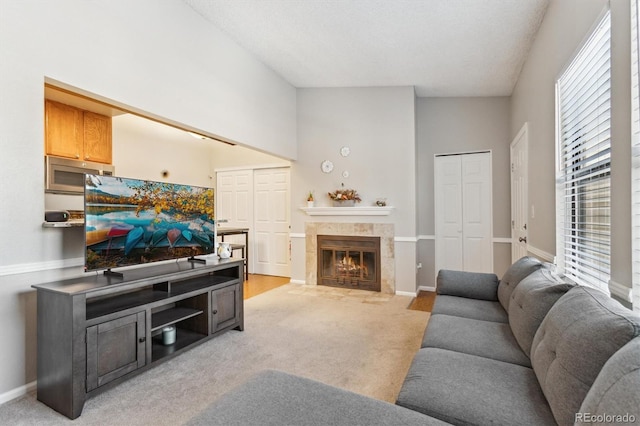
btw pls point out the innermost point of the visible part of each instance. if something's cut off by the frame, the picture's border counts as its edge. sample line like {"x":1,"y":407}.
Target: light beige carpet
{"x":355,"y":340}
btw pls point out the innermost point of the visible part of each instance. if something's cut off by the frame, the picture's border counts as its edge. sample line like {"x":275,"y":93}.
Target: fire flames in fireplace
{"x":347,"y":267}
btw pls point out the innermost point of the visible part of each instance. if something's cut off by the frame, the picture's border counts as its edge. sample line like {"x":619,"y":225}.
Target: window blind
{"x":584,"y":162}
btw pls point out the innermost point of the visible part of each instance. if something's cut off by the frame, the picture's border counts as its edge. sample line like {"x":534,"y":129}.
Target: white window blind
{"x":584,"y":162}
{"x":635,"y":152}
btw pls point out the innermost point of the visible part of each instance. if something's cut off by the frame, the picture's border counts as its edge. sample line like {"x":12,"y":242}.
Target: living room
{"x":175,"y":65}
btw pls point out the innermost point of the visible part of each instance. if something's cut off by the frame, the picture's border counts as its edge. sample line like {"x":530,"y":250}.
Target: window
{"x":584,"y":162}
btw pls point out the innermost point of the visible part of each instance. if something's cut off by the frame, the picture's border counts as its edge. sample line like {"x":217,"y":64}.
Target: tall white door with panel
{"x":448,"y":213}
{"x":463,"y":212}
{"x":234,"y":203}
{"x":519,"y":195}
{"x":272,"y":222}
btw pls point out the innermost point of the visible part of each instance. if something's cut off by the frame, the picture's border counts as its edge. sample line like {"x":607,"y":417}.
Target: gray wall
{"x":378,"y":125}
{"x":566,"y":24}
{"x":449,"y":125}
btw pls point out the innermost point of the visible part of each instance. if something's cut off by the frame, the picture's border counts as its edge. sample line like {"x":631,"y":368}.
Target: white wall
{"x":377,"y":124}
{"x":237,"y":157}
{"x":158,"y":57}
{"x":566,"y":25}
{"x":450,"y":125}
{"x":145,"y":149}
{"x":124,"y":51}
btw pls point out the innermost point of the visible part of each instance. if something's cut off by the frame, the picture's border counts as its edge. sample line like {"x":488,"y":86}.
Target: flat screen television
{"x":132,"y":221}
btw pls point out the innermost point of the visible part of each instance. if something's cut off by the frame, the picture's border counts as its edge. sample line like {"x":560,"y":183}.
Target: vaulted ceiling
{"x":442,"y":47}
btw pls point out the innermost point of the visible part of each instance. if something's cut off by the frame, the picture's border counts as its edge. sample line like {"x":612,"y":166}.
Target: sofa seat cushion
{"x":580,"y":333}
{"x":530,"y":302}
{"x":474,"y":285}
{"x":277,"y":398}
{"x":522,"y":268}
{"x":483,"y":338}
{"x":465,"y":389}
{"x":484,"y":310}
{"x":616,"y":390}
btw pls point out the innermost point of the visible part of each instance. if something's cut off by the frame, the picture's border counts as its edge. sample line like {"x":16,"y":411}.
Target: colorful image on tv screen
{"x":132,"y":221}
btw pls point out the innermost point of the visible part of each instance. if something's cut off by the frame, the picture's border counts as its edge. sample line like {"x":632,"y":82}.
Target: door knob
{"x":522,"y":239}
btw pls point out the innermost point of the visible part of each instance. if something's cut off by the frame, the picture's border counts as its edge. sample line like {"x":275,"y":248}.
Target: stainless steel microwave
{"x":65,"y":176}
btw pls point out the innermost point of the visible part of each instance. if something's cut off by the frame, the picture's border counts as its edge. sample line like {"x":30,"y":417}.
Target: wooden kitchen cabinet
{"x":75,"y":133}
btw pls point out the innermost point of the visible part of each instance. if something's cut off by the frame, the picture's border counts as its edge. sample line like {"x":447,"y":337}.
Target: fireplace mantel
{"x":348,"y":211}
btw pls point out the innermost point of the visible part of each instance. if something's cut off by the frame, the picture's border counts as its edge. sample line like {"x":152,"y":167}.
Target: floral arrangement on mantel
{"x":344,"y":194}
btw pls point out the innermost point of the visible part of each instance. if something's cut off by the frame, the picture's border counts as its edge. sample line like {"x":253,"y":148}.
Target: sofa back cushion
{"x":616,"y":390}
{"x":472,"y":285}
{"x":580,"y":333}
{"x":516,"y":272}
{"x":530,"y":302}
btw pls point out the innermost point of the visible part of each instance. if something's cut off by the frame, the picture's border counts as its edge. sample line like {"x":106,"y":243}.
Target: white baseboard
{"x":17,"y":392}
{"x":621,"y":291}
{"x":541,"y":253}
{"x":298,"y":282}
{"x":426,"y":288}
{"x":405,"y":239}
{"x":405,"y":293}
{"x":502,"y":240}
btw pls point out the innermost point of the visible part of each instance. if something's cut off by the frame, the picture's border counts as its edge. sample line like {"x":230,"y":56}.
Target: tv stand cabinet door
{"x":115,"y":348}
{"x":226,"y":307}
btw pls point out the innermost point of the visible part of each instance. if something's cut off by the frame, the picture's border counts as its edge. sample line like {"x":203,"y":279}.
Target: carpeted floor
{"x":356,"y":340}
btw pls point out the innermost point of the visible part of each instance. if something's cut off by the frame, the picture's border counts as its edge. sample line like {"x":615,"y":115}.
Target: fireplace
{"x":385,"y":231}
{"x":349,"y":261}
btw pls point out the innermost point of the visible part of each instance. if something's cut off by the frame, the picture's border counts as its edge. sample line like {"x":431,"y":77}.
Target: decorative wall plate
{"x":327,"y":166}
{"x":345,"y":151}
{"x":345,"y":174}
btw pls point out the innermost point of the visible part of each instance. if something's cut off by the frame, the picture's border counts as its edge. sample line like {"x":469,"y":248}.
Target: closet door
{"x":477,"y":221}
{"x":463,"y":215}
{"x":234,"y":203}
{"x":448,"y":214}
{"x":259,"y":200}
{"x":271,"y":201}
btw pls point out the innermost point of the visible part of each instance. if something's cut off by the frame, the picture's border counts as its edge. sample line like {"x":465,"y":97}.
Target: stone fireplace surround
{"x":387,"y":252}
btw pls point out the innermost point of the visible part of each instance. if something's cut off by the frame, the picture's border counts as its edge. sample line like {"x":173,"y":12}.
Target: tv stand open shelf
{"x":172,"y":316}
{"x":98,"y":330}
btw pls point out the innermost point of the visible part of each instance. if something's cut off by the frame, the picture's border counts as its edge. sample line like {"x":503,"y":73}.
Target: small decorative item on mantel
{"x":310,"y":199}
{"x":344,"y":197}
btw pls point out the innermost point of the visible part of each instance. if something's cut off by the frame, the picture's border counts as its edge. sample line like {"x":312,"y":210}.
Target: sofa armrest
{"x":472,"y":285}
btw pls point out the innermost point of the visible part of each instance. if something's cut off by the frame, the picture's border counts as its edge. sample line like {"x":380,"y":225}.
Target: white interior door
{"x":234,"y":203}
{"x":463,"y":212}
{"x":272,"y":222}
{"x":477,"y":222}
{"x":519,"y":194}
{"x":448,"y":214}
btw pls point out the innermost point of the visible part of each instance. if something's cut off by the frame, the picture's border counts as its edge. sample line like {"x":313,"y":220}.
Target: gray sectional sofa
{"x":528,"y":349}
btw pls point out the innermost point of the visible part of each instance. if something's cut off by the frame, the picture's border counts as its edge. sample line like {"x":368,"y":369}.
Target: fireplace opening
{"x":349,"y":262}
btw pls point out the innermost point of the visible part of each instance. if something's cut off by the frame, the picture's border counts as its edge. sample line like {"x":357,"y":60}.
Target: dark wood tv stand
{"x":97,"y":331}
